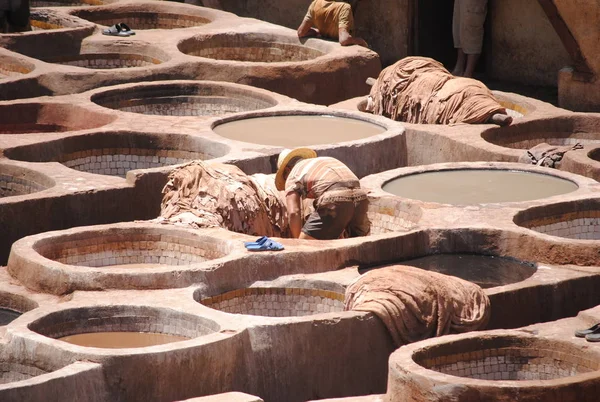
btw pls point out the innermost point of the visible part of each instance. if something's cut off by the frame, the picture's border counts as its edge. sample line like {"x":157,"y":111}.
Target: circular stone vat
{"x":507,"y":358}
{"x":115,"y":153}
{"x":131,"y":248}
{"x":28,"y":118}
{"x":20,"y":181}
{"x":45,"y":20}
{"x":493,"y":367}
{"x":486,"y":271}
{"x":477,"y":186}
{"x":276,"y":302}
{"x":13,"y":67}
{"x":295,"y":130}
{"x":594,"y":154}
{"x":557,"y":131}
{"x":572,"y":220}
{"x":106,"y":61}
{"x":140,"y":17}
{"x":119,"y":327}
{"x":249,"y":48}
{"x":12,"y":306}
{"x":184,"y":99}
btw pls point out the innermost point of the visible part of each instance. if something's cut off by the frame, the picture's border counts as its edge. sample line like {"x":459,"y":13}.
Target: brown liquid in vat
{"x":121,"y":340}
{"x":478,"y":186}
{"x":296,"y":131}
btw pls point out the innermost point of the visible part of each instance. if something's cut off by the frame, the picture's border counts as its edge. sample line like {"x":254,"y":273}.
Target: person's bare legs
{"x":472,"y":60}
{"x":461,"y":58}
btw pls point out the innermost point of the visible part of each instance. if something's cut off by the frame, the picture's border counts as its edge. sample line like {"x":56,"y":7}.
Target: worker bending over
{"x":340,"y":204}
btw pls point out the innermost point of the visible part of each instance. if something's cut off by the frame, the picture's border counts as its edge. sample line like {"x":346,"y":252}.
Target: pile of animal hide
{"x":415,"y":304}
{"x":420,"y":90}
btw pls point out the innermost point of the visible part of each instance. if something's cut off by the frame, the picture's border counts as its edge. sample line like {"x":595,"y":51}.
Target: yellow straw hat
{"x":285,"y":157}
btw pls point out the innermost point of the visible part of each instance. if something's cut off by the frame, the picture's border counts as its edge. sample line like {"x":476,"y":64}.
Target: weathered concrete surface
{"x":524,"y":47}
{"x":226,"y":397}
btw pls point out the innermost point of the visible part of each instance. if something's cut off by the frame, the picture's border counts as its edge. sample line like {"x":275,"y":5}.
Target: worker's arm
{"x":346,"y":39}
{"x":294,"y":210}
{"x":306,"y":29}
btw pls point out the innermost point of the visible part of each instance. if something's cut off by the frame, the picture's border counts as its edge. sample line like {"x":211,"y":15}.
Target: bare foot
{"x":500,"y":119}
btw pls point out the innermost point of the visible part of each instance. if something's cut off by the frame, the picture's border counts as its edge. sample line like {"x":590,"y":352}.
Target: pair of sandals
{"x":591,"y":334}
{"x":263,"y":244}
{"x":119,"y":29}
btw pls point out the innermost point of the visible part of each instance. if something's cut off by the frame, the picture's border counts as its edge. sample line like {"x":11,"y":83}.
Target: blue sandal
{"x":260,"y":240}
{"x":268,"y":245}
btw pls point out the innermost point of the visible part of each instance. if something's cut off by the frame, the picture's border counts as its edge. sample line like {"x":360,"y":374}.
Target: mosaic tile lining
{"x":11,"y":186}
{"x":136,"y":249}
{"x":142,"y":20}
{"x":268,"y":52}
{"x":388,"y":215}
{"x":512,"y":364}
{"x":106,"y":61}
{"x":585,"y":228}
{"x":277,"y":302}
{"x":188,"y":105}
{"x":118,"y":161}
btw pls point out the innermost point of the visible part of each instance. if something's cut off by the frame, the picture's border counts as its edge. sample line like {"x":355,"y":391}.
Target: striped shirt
{"x":312,"y":178}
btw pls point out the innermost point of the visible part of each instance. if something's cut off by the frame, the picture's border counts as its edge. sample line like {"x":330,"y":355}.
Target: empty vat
{"x":506,"y":366}
{"x":295,"y":130}
{"x":249,"y":48}
{"x":27,"y":118}
{"x":484,"y":270}
{"x":277,"y":302}
{"x":119,"y":327}
{"x":184,"y":99}
{"x":15,"y":181}
{"x":13,"y":305}
{"x":477,"y":186}
{"x":14,"y":67}
{"x":115,"y":153}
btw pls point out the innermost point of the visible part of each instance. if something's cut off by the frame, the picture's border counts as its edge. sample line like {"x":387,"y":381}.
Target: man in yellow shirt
{"x":330,"y":19}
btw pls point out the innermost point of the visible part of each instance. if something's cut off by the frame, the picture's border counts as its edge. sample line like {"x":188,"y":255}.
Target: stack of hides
{"x":201,"y":194}
{"x":420,"y":90}
{"x":415,"y":304}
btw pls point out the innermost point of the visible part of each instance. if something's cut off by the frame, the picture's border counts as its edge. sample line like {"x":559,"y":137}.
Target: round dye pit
{"x":477,"y":186}
{"x":105,"y":61}
{"x":116,"y":153}
{"x":140,"y":18}
{"x":131,"y":248}
{"x":28,"y":118}
{"x":511,"y":358}
{"x":558,"y":131}
{"x":119,"y":327}
{"x":485,"y":270}
{"x":19,"y":181}
{"x":574,"y":220}
{"x":12,"y":371}
{"x":276,"y":302}
{"x":12,"y":306}
{"x":46,"y":20}
{"x":594,"y":154}
{"x":184,"y":99}
{"x":7,"y":316}
{"x":248,"y":48}
{"x":292,"y":131}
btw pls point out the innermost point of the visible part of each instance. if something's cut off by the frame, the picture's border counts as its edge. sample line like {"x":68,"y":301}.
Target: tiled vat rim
{"x":376,"y":181}
{"x":501,"y":356}
{"x":123,"y":317}
{"x":120,"y":244}
{"x":576,"y":220}
{"x":18,"y":181}
{"x":186,"y":98}
{"x":277,"y":302}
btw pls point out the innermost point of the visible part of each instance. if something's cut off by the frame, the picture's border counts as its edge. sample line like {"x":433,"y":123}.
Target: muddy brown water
{"x":296,"y":131}
{"x":484,"y":270}
{"x":121,"y":340}
{"x":7,"y":316}
{"x":476,"y":186}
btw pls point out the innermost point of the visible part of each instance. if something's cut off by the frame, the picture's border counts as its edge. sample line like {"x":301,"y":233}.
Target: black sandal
{"x":582,"y":333}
